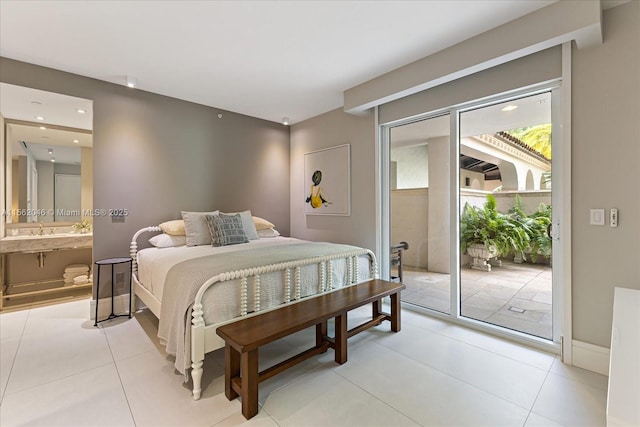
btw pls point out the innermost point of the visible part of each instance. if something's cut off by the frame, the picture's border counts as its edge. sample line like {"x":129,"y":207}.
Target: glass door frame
{"x":560,"y":166}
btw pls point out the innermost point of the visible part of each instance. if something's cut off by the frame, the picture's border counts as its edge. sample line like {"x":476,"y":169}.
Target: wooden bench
{"x":244,"y":337}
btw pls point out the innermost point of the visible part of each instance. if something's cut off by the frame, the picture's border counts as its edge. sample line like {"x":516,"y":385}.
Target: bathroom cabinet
{"x":32,"y":268}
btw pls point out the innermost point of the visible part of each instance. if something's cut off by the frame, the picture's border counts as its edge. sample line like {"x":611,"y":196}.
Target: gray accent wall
{"x":329,"y":130}
{"x":156,"y":156}
{"x":605,"y":152}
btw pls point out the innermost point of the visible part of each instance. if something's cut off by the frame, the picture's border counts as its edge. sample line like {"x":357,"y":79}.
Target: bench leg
{"x":321,"y":332}
{"x":249,"y":381}
{"x":395,"y":312}
{"x":341,"y":338}
{"x":231,"y":370}
{"x":375,"y":308}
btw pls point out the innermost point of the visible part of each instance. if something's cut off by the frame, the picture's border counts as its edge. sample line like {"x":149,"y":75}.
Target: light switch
{"x":597,"y":216}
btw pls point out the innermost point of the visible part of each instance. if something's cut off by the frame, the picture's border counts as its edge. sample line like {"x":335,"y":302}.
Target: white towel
{"x":72,"y":266}
{"x":76,"y":270}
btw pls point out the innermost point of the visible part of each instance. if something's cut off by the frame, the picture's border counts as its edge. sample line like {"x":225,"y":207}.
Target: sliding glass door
{"x":420,"y":221}
{"x":505,"y":216}
{"x":479,"y":175}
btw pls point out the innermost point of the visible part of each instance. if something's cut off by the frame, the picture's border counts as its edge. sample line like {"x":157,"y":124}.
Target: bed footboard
{"x":292,"y":286}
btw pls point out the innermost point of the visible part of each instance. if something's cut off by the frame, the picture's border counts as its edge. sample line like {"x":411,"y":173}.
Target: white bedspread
{"x":155,"y":263}
{"x":187,"y":268}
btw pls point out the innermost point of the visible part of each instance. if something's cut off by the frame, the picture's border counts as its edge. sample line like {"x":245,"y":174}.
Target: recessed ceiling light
{"x":285,"y":121}
{"x":43,"y":128}
{"x":510,"y":108}
{"x":80,"y":111}
{"x":76,"y":141}
{"x":39,"y":118}
{"x":50,"y":150}
{"x":53,"y":160}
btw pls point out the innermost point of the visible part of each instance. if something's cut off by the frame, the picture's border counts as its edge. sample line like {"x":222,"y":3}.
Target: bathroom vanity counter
{"x":44,"y":243}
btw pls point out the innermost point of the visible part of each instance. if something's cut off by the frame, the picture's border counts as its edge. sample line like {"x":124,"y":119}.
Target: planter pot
{"x":482,"y":258}
{"x":519,"y":259}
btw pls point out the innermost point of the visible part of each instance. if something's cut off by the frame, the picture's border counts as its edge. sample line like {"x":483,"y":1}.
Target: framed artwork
{"x":327,"y":181}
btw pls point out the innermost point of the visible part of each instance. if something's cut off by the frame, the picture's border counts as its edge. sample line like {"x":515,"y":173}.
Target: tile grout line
{"x":115,"y":365}
{"x":459,"y":379}
{"x":537,"y":395}
{"x":376,"y":397}
{"x":15,"y":356}
{"x":482,"y":348}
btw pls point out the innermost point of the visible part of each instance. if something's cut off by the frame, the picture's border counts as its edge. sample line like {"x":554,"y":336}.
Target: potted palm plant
{"x":486,"y":233}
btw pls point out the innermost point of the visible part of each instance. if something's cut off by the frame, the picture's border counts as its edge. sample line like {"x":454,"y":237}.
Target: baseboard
{"x":590,"y":357}
{"x":617,"y":422}
{"x":120,"y":306}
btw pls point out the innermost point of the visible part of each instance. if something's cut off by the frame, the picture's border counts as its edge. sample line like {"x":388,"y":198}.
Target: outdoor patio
{"x":515,"y":296}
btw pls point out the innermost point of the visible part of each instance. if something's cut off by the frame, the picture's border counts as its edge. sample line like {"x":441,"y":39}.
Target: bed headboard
{"x":133,"y":246}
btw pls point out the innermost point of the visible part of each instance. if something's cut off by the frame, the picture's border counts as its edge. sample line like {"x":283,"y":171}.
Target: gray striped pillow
{"x":226,"y":229}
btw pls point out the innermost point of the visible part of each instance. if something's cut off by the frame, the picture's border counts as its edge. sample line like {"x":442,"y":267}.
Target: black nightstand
{"x":112,"y":262}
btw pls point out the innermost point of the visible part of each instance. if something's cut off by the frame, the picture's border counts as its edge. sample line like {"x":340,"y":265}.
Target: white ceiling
{"x":61,"y":125}
{"x":27,"y":104}
{"x":267,"y":59}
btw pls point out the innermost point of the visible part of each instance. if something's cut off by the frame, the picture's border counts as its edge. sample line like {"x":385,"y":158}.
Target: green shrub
{"x":491,"y":228}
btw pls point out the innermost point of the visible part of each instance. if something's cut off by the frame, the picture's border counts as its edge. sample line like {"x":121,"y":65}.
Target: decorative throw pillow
{"x":175,"y":227}
{"x":247,"y":224}
{"x":226,"y":229}
{"x":262,"y":224}
{"x":196,"y":229}
{"x":167,"y":240}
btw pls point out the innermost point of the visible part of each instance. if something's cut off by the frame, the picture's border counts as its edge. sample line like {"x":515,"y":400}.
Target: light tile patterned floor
{"x":58,"y":370}
{"x":515,"y":296}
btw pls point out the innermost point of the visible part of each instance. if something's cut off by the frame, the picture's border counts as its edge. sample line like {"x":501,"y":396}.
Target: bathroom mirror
{"x":48,"y":156}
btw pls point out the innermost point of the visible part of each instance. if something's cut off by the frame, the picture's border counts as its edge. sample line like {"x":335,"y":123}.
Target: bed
{"x":194,"y":289}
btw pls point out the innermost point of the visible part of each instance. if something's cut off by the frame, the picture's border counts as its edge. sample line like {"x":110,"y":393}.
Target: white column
{"x":439,"y":218}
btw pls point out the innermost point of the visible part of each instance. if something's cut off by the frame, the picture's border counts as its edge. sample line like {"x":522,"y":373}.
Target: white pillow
{"x":268,"y":232}
{"x":248,"y":225}
{"x":196,"y":228}
{"x":167,"y":240}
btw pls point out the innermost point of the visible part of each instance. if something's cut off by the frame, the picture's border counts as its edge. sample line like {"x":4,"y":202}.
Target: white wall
{"x":412,"y":166}
{"x":410,"y":223}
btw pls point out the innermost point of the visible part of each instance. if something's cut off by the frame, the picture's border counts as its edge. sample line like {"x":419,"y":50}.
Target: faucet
{"x":41,"y":229}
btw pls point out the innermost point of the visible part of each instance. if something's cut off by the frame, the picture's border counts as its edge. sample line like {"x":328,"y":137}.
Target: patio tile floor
{"x":514,"y":296}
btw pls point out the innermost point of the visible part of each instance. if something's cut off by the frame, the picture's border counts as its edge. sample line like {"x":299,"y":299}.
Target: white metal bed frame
{"x":203,"y":337}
